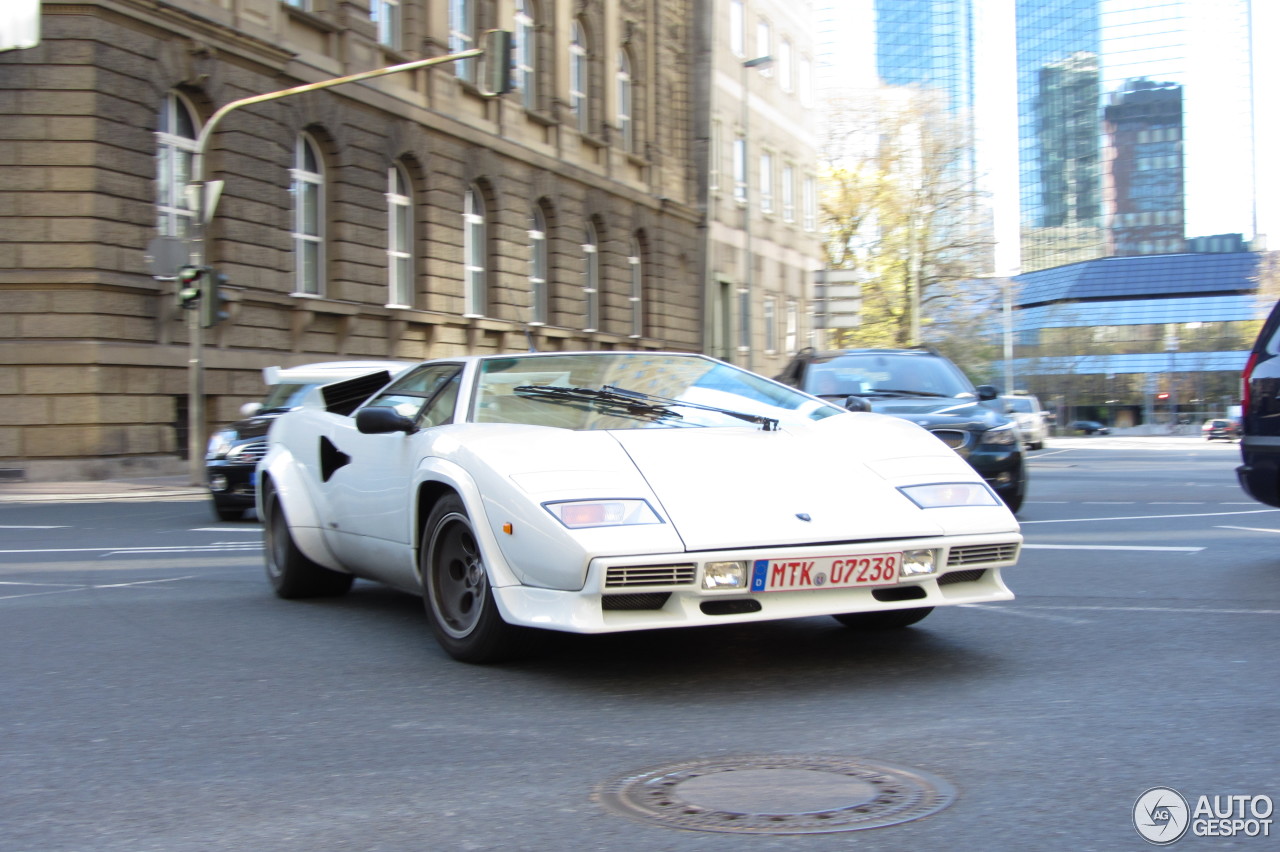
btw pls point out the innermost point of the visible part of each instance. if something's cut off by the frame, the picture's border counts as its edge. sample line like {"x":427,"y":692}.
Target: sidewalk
{"x":144,"y":488}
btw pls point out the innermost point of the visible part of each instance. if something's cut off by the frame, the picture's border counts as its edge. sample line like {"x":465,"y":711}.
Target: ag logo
{"x":1161,"y":815}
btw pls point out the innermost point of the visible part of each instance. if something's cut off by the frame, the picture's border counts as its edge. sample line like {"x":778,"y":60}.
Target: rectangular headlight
{"x":724,"y":575}
{"x":941,"y":495}
{"x":918,"y":562}
{"x":581,"y":514}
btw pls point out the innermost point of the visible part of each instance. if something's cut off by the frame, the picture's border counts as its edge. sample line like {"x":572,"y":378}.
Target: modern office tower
{"x":1144,"y":176}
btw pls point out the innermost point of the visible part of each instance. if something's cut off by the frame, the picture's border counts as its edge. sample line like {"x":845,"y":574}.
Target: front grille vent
{"x":643,"y":600}
{"x":976,"y":553}
{"x":249,"y":453}
{"x":953,"y":438}
{"x":973,"y":575}
{"x":620,"y":576}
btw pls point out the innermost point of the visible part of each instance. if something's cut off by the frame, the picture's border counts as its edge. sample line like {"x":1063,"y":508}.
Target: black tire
{"x":227,"y":513}
{"x":892,"y":619}
{"x":455,"y":590}
{"x":291,"y":574}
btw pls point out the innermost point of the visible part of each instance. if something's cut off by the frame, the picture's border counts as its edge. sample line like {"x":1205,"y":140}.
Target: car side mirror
{"x":856,"y":403}
{"x":380,"y":420}
{"x":987,"y":392}
{"x":250,"y":408}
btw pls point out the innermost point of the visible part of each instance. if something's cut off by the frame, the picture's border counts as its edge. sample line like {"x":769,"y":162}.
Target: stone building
{"x":408,"y":216}
{"x":762,"y":202}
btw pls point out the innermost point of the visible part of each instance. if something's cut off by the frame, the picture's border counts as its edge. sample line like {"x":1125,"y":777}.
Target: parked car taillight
{"x":1244,"y":382}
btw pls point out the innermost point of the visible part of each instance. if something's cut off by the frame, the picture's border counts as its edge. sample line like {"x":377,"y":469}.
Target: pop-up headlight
{"x":724,"y":575}
{"x":582,"y":514}
{"x":942,"y":495}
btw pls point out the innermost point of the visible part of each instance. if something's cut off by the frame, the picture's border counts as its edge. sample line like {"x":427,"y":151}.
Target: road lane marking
{"x":1247,"y":529}
{"x":1147,"y":517}
{"x":1021,"y":611}
{"x":31,"y":527}
{"x":137,"y":551}
{"x":1170,"y":609}
{"x":1026,"y":546}
{"x":81,"y":587}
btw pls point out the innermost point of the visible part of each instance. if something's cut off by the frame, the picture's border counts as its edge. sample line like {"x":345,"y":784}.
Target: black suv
{"x":924,"y":387}
{"x":1260,"y":407}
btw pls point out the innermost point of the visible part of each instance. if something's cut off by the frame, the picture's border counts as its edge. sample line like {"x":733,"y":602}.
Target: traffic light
{"x":189,"y":286}
{"x":499,"y":52}
{"x":213,"y":304}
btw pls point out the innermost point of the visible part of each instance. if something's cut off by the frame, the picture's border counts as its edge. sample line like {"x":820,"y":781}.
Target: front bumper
{"x":231,"y":483}
{"x":969,"y":572}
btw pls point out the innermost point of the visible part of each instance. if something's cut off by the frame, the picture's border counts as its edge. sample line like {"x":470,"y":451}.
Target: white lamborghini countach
{"x":609,"y":491}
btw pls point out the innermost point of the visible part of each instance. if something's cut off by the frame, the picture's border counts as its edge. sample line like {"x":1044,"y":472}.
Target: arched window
{"x":462,"y":36}
{"x":526,"y":38}
{"x":399,"y":238}
{"x":176,"y":135}
{"x":626,"y":127}
{"x":591,"y":276}
{"x":474,"y":253}
{"x":539,"y":267}
{"x":579,"y":102}
{"x":635,"y":262}
{"x":308,"y":218}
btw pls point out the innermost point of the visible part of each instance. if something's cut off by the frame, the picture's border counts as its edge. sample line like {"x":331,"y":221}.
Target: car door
{"x":370,"y":478}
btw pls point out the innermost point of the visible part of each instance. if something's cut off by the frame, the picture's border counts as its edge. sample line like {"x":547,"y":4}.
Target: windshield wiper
{"x":636,"y":402}
{"x":903,"y":392}
{"x":603,"y":398}
{"x":770,"y":424}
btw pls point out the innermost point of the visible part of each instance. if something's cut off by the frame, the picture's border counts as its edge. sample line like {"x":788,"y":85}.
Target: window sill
{"x":593,"y":140}
{"x":541,"y":117}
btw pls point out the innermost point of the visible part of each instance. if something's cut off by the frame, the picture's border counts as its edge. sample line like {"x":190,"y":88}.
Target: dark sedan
{"x":1089,"y":427}
{"x":924,"y":387}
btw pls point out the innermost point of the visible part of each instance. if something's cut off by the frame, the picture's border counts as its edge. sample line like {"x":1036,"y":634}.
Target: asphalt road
{"x":156,"y":696}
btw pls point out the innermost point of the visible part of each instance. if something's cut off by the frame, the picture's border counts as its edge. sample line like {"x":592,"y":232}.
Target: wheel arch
{"x":442,"y":478}
{"x":280,"y":475}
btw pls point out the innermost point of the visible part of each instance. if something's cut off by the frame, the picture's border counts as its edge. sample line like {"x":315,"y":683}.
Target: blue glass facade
{"x":1115,"y":331}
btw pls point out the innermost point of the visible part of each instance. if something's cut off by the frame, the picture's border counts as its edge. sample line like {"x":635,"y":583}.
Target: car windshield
{"x":1022,"y":406}
{"x":632,"y":390}
{"x":876,"y":373}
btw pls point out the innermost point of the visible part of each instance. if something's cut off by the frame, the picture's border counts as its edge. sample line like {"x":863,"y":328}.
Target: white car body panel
{"x":726,"y":493}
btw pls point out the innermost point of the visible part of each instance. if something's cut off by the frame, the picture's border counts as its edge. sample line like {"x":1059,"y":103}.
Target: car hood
{"x":821,"y":482}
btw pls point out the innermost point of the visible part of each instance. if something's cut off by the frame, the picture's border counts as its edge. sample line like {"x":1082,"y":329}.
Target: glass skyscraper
{"x":1138,"y":126}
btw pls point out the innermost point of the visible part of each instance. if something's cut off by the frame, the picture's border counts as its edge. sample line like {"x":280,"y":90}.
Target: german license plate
{"x":825,"y":572}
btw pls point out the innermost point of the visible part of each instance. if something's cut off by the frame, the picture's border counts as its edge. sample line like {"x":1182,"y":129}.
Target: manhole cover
{"x":776,"y":795}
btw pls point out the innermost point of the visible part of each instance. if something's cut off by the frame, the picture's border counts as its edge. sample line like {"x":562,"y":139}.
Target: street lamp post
{"x":748,"y":273}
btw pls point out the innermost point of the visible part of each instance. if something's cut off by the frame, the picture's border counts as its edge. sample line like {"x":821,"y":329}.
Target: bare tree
{"x":900,"y":203}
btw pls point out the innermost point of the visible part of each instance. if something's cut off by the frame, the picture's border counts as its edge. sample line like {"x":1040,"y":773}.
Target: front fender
{"x":288,"y":479}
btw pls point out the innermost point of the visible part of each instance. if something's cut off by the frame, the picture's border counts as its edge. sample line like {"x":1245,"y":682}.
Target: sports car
{"x":594,"y":492}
